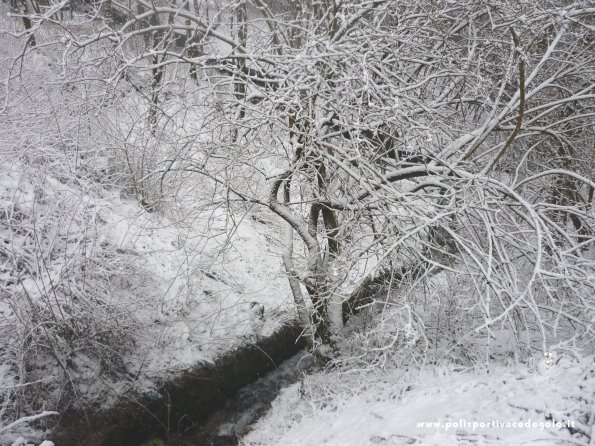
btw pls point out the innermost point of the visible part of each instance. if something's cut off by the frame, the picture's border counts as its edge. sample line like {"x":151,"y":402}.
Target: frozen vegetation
{"x":411,"y":181}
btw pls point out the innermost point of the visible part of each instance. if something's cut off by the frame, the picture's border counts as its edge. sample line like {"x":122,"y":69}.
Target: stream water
{"x":208,"y":404}
{"x":252,"y":401}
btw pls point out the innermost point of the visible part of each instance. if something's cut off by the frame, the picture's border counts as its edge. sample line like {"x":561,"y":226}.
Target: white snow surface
{"x":386,"y":408}
{"x":202,"y":295}
{"x":197,"y":290}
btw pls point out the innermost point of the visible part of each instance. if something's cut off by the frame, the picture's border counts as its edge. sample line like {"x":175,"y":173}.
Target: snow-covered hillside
{"x":171,"y":296}
{"x":542,"y":403}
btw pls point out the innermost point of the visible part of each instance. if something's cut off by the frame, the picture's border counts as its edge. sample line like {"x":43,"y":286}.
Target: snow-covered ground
{"x":209,"y":291}
{"x":185,"y":293}
{"x":524,"y":404}
{"x":218,"y":272}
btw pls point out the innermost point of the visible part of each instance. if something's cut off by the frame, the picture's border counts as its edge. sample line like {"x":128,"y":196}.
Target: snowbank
{"x":502,"y":405}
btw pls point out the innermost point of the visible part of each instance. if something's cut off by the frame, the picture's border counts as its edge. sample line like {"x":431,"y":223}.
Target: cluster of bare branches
{"x":61,"y":321}
{"x":396,"y":140}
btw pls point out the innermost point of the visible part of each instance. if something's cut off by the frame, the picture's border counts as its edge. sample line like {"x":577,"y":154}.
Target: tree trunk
{"x":27,"y":22}
{"x":294,"y":283}
{"x":108,"y":13}
{"x":239,"y":85}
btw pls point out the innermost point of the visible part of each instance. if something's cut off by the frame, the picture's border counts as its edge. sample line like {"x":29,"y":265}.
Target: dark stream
{"x":209,"y":404}
{"x":225,"y":425}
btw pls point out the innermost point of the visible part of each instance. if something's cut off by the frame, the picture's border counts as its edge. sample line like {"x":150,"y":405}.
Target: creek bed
{"x":208,"y":404}
{"x":233,"y":419}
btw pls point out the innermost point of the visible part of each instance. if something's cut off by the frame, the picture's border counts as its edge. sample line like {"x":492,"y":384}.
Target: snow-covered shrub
{"x":464,"y":315}
{"x":62,"y":324}
{"x":59,"y":281}
{"x":507,"y":282}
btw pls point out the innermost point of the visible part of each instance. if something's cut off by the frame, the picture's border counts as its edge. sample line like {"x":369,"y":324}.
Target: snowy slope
{"x":180,"y":294}
{"x":437,"y":407}
{"x":203,"y":294}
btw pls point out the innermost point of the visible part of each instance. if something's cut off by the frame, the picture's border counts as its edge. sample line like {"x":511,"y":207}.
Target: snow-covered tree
{"x":395,"y":139}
